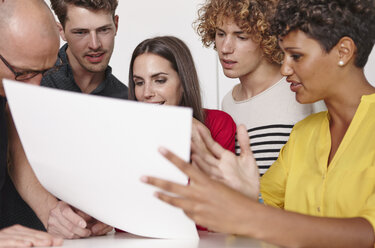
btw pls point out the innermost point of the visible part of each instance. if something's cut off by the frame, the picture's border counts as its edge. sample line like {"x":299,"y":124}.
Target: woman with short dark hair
{"x":321,"y":190}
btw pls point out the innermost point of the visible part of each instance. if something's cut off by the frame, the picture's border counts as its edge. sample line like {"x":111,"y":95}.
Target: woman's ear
{"x":346,"y":51}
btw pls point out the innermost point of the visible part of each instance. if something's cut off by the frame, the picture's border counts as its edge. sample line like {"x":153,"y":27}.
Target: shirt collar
{"x":68,"y":69}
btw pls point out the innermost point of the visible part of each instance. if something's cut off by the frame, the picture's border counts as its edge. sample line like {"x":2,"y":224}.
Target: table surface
{"x":207,"y":240}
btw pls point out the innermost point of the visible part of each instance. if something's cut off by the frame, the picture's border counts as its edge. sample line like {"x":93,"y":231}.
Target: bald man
{"x":29,"y":39}
{"x":28,"y":48}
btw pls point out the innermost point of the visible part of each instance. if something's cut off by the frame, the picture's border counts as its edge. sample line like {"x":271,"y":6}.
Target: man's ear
{"x":346,"y":50}
{"x":115,"y":19}
{"x":61,"y":30}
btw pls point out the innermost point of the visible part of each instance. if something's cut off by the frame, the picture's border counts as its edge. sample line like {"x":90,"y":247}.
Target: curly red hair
{"x":251,"y":16}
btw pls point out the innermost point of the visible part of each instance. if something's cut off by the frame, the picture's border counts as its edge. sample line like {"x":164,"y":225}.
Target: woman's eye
{"x":138,"y":83}
{"x":296,"y":57}
{"x":160,"y":81}
{"x":242,"y":38}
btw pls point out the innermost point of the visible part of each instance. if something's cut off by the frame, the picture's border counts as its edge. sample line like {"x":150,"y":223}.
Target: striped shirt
{"x":269,"y":118}
{"x":266,"y":142}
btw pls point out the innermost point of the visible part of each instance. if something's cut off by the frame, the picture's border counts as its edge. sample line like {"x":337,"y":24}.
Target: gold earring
{"x":341,"y":63}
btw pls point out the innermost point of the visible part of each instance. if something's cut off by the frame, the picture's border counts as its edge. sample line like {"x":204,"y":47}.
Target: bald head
{"x":25,"y":22}
{"x":29,"y":37}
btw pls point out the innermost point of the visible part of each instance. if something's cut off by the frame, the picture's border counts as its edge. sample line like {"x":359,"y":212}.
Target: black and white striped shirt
{"x":266,"y":142}
{"x":269,"y":118}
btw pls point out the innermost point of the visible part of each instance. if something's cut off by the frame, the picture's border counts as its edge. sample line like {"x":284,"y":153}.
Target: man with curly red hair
{"x":240,"y":32}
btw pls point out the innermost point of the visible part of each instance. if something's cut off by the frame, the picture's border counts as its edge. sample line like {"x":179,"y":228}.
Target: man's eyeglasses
{"x":29,"y":74}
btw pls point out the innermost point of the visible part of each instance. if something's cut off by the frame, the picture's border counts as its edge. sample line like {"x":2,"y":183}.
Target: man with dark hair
{"x":60,"y":7}
{"x":89,"y":28}
{"x":23,"y":25}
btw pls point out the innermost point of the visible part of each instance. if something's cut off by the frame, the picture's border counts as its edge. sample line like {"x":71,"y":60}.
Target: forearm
{"x":296,"y":230}
{"x":25,"y":181}
{"x":32,"y":192}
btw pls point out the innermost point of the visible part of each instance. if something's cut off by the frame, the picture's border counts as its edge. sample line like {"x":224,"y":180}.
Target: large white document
{"x":91,"y":151}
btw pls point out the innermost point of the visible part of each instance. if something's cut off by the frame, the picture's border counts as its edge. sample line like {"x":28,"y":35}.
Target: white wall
{"x":147,"y":18}
{"x":143,"y":19}
{"x":370,"y":68}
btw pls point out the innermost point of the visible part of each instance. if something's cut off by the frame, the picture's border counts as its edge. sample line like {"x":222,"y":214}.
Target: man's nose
{"x":227,"y":47}
{"x":94,"y":42}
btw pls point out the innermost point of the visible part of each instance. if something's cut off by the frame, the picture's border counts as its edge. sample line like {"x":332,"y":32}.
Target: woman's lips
{"x":294,"y":85}
{"x":157,"y":103}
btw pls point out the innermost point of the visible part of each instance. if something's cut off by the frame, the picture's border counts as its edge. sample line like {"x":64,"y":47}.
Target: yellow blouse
{"x":301,"y":181}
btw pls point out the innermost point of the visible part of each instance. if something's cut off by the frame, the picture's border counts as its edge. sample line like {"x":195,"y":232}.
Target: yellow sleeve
{"x":368,"y":211}
{"x":273,"y":182}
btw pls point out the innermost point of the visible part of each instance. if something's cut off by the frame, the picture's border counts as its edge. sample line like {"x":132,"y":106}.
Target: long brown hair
{"x":178,"y":54}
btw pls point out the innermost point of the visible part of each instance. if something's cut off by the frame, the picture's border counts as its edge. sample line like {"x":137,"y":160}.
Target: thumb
{"x":243,"y":140}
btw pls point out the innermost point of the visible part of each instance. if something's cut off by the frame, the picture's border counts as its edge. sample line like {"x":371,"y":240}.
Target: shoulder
{"x":58,"y":78}
{"x":222,"y":128}
{"x":2,"y":102}
{"x":114,"y":87}
{"x":311,"y":121}
{"x":228,"y":98}
{"x":217,"y":118}
{"x":116,"y":82}
{"x":282,"y":101}
{"x":214,"y":114}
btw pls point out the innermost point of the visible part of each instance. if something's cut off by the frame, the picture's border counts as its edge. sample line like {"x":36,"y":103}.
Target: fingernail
{"x":162,"y":150}
{"x":58,"y":241}
{"x":82,"y":224}
{"x":46,"y":242}
{"x":27,"y":243}
{"x":156,"y":194}
{"x":144,"y":179}
{"x":95,"y":229}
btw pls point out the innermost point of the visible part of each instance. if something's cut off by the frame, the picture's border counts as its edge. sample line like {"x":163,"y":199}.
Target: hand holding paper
{"x":90,"y":152}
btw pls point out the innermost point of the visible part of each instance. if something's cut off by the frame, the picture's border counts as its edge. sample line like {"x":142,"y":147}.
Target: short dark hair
{"x":327,"y":21}
{"x":60,"y":7}
{"x":178,"y":54}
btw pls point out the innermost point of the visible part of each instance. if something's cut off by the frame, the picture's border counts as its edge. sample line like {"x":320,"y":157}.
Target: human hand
{"x":198,"y":145}
{"x":68,"y":222}
{"x":207,"y":202}
{"x":196,"y":138}
{"x":239,"y":172}
{"x":96,"y":227}
{"x":19,"y":236}
{"x":64,"y":222}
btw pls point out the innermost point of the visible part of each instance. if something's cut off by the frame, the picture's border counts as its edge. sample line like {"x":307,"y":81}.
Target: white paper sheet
{"x":91,"y":151}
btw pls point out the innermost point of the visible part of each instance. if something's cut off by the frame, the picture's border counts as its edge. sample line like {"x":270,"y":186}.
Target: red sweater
{"x":222,"y":128}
